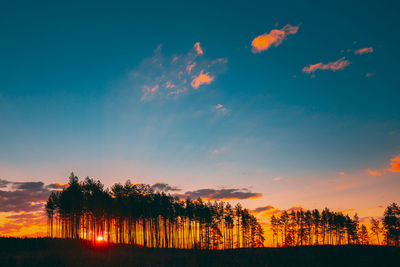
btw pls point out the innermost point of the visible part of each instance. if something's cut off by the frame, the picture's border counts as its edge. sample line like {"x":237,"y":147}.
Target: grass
{"x":61,"y":252}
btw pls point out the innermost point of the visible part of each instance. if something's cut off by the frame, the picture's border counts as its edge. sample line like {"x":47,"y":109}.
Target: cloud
{"x":264,"y":208}
{"x":221,"y":194}
{"x":343,"y":187}
{"x":148,"y":92}
{"x":273,"y":38}
{"x":268,"y":210}
{"x":394,"y":166}
{"x":220,"y":109}
{"x":198,"y":49}
{"x":202,"y":78}
{"x":295,"y":208}
{"x":374,"y":172}
{"x":365,"y":50}
{"x":333,"y":66}
{"x":218,"y":151}
{"x":26,"y":197}
{"x":163,"y":76}
{"x":57,"y":186}
{"x":9,"y":228}
{"x":163,"y":187}
{"x":4,"y":183}
{"x":277,"y":179}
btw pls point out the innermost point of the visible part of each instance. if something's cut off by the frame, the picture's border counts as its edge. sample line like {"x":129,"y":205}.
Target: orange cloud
{"x":395,"y":164}
{"x":203,"y":78}
{"x":365,"y":50}
{"x":198,"y":49}
{"x":343,"y":187}
{"x":375,"y":173}
{"x":333,"y":66}
{"x":394,"y":167}
{"x":277,"y":178}
{"x":273,"y":38}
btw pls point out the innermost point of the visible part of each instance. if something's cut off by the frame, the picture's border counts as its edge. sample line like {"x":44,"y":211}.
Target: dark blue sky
{"x":80,"y":89}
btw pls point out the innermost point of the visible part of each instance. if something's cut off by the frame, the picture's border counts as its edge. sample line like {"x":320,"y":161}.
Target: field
{"x":59,"y":252}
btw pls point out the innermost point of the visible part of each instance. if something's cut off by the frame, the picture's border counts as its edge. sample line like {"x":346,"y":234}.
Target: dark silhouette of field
{"x":68,"y":252}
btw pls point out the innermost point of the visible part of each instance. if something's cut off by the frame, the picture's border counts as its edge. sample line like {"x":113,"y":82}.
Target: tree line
{"x":326,"y":227}
{"x":136,"y":214}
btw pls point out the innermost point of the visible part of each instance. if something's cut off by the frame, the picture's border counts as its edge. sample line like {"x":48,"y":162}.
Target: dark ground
{"x":59,"y":252}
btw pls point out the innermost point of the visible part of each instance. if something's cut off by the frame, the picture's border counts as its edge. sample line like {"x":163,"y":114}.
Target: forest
{"x":138,"y":215}
{"x":312,"y":227}
{"x":135,"y":214}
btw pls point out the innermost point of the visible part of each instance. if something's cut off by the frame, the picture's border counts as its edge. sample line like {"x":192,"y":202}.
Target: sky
{"x":284,"y":104}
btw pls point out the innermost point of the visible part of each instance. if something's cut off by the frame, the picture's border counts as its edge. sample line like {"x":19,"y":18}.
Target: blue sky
{"x":70,"y":100}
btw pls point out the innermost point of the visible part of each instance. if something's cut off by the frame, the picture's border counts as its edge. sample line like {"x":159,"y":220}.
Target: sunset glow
{"x":120,"y":121}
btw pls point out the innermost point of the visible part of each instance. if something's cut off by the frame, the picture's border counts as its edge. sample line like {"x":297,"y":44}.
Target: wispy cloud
{"x":171,"y":76}
{"x":220,"y":109}
{"x":343,"y":187}
{"x":218,"y":151}
{"x":273,"y":38}
{"x":277,"y":179}
{"x":340,"y":64}
{"x":198,"y":49}
{"x":365,"y":50}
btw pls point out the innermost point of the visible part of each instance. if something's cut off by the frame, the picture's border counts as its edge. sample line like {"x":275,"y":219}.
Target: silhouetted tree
{"x":391,"y":222}
{"x":376,"y":228}
{"x":135,"y":214}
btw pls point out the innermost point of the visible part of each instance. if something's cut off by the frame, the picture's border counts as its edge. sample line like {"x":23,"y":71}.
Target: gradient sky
{"x":307,"y":115}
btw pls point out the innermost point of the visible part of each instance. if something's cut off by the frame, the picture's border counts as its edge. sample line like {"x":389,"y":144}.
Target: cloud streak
{"x":273,"y":38}
{"x":365,"y":50}
{"x":220,"y":109}
{"x":339,"y":64}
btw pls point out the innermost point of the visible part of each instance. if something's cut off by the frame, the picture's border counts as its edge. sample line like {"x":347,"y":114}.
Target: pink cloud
{"x":273,"y":38}
{"x":190,"y":67}
{"x":198,"y":49}
{"x":365,"y":50}
{"x":333,"y":66}
{"x":149,"y":91}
